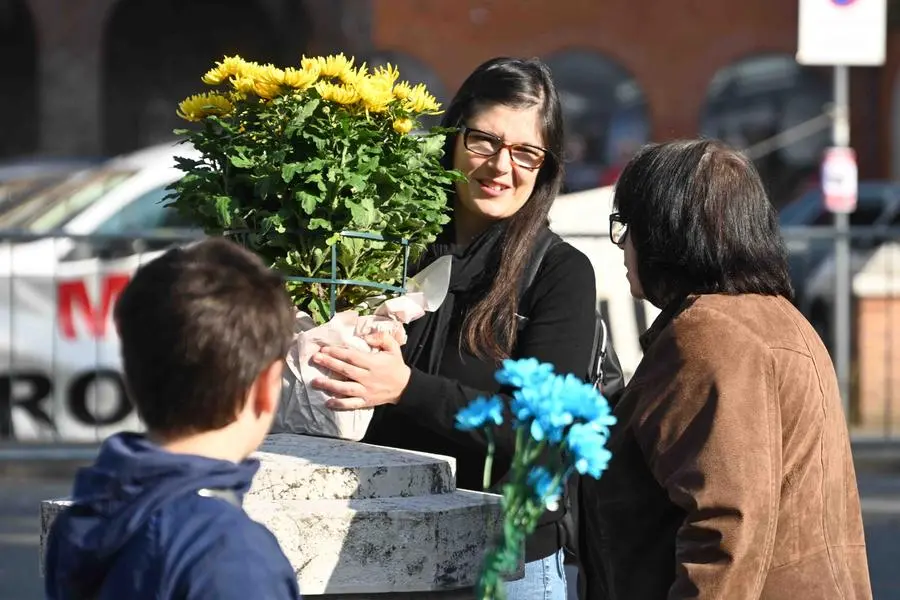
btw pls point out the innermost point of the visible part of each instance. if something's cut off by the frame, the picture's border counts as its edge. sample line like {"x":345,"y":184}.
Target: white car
{"x":59,"y":355}
{"x":582,"y":219}
{"x":67,"y":253}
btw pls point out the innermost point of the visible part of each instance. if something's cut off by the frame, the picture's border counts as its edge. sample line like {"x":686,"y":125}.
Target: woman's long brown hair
{"x":489,"y":327}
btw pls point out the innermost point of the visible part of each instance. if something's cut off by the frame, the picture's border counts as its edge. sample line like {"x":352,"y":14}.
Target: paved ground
{"x":22,"y":486}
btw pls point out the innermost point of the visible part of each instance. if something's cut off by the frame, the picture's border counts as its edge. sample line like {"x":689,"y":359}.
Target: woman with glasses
{"x":731,"y":474}
{"x":509,"y":144}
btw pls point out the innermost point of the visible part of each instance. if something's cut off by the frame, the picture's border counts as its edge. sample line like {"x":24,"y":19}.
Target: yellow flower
{"x":224,"y":69}
{"x":268,"y":81}
{"x":244,"y":84}
{"x":388,"y":73}
{"x":403,"y":125}
{"x":419,"y":100}
{"x":311,"y":64}
{"x":300,"y":79}
{"x":375,"y":92}
{"x":402,"y":90}
{"x":198,"y":106}
{"x":338,"y":66}
{"x":341,"y":94}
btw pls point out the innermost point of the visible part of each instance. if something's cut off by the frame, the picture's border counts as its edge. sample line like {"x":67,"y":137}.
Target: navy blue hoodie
{"x":140,"y":528}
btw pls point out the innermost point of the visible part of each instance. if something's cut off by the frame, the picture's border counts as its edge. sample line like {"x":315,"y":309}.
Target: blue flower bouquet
{"x":562,"y":426}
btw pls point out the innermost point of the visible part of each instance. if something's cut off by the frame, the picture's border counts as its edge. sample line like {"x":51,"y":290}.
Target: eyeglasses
{"x":483,"y":143}
{"x":618,"y":228}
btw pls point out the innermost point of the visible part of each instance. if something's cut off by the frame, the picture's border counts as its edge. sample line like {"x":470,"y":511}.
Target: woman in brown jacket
{"x":731,"y":475}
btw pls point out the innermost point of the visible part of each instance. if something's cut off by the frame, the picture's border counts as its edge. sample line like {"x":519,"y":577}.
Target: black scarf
{"x":474,"y":268}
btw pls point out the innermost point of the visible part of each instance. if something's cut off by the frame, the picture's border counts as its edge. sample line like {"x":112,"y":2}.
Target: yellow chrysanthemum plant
{"x":294,"y":159}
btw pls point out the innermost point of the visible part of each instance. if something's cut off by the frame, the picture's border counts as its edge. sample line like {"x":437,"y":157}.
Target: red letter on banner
{"x":73,"y":295}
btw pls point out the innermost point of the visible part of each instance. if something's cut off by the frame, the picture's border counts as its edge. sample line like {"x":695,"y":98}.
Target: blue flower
{"x":587,"y":445}
{"x":525,"y":372}
{"x":479,"y":412}
{"x":583,"y":401}
{"x":546,"y":489}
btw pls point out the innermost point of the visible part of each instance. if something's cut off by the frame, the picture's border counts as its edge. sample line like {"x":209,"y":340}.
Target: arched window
{"x":19,"y":100}
{"x":605,"y":114}
{"x":754,"y":99}
{"x":156,"y":52}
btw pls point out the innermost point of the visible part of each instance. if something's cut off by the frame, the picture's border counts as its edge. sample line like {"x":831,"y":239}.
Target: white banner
{"x":842,"y":32}
{"x":60,"y":374}
{"x":60,"y":370}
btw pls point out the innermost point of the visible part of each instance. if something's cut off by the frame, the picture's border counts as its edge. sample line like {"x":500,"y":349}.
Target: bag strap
{"x":598,"y":351}
{"x":546,"y":240}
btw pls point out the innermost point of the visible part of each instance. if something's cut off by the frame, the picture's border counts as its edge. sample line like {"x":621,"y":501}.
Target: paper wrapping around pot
{"x":302,"y":409}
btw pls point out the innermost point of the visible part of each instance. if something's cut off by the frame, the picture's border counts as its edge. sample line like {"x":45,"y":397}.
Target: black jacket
{"x":559,"y":311}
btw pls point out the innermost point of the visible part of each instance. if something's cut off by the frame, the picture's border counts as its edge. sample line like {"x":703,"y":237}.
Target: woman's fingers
{"x":346,"y":403}
{"x":341,"y":361}
{"x":384,"y":342}
{"x":336,"y":387}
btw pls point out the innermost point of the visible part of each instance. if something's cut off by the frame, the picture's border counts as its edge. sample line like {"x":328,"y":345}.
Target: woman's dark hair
{"x":701,"y":222}
{"x":489,"y":330}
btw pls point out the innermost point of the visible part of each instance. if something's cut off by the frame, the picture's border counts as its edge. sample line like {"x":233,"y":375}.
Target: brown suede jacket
{"x":731,"y":476}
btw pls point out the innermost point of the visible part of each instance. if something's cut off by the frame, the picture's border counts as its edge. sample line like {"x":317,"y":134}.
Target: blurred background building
{"x":102,"y":77}
{"x":88,"y":80}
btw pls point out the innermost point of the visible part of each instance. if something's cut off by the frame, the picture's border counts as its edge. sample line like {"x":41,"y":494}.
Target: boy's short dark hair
{"x":701,"y":222}
{"x":197,"y":326}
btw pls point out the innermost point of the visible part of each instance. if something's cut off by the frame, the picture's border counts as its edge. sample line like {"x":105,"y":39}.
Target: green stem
{"x":488,"y":461}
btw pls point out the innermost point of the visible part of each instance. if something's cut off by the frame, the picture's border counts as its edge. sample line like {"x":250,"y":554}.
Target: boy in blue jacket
{"x":203,"y":332}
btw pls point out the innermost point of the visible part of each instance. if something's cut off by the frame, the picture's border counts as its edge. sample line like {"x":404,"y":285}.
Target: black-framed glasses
{"x":487,"y":144}
{"x":618,"y":228}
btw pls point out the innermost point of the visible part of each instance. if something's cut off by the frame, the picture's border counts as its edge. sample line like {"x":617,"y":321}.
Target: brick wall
{"x":672,"y":48}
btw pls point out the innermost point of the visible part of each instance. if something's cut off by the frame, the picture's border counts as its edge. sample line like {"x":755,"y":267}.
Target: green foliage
{"x":285,"y":176}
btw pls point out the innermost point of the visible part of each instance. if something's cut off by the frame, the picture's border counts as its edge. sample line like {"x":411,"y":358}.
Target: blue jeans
{"x":545,"y":579}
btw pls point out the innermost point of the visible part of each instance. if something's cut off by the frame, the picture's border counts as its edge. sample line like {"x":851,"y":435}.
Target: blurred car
{"x":872,"y":267}
{"x":582,"y":219}
{"x":59,"y":352}
{"x":22,"y":178}
{"x":878,"y":203}
{"x":61,"y":270}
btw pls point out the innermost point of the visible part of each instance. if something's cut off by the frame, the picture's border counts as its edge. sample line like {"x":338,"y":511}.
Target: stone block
{"x":326,"y":468}
{"x":412,"y":544}
{"x":364,"y":522}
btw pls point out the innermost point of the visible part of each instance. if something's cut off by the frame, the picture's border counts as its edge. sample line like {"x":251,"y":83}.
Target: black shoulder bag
{"x":604,"y":371}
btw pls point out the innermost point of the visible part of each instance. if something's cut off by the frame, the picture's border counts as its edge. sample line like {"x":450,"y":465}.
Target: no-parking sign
{"x":839,"y":180}
{"x":842,"y":32}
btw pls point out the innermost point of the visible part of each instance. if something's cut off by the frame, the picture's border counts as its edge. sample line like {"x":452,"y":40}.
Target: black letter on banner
{"x":78,"y":398}
{"x":40,"y":389}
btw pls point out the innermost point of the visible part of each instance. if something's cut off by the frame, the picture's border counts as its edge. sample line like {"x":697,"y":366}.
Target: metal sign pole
{"x":841,"y":338}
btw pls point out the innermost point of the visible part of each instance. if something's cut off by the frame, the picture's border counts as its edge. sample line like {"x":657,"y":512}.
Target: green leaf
{"x":356,"y":181}
{"x":362,"y":216}
{"x":288,"y":170}
{"x":433,"y":145}
{"x":241,"y":162}
{"x":317,"y":179}
{"x":308,"y":202}
{"x":223,"y":210}
{"x":307,"y":110}
{"x":318,"y":223}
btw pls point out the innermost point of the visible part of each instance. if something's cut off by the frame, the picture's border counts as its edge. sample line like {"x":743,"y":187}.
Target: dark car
{"x":878,"y":203}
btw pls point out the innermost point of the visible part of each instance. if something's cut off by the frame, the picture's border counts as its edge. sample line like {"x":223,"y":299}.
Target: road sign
{"x":839,"y":179}
{"x":842,"y":32}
